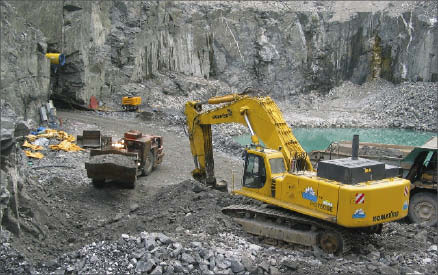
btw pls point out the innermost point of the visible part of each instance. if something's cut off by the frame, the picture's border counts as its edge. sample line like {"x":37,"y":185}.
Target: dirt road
{"x":177,"y":164}
{"x":66,"y":212}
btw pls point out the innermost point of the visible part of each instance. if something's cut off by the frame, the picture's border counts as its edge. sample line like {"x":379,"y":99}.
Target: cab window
{"x":255,"y":174}
{"x":277,"y":165}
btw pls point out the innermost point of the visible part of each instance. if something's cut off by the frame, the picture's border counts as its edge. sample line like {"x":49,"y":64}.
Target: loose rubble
{"x":375,"y":104}
{"x":188,"y":246}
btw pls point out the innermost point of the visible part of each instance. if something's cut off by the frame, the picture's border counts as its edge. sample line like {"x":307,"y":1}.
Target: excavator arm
{"x":260,"y":114}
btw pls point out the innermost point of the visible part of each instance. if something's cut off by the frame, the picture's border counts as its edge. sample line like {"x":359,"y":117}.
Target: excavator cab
{"x":254,"y":175}
{"x":257,"y":169}
{"x":261,"y":166}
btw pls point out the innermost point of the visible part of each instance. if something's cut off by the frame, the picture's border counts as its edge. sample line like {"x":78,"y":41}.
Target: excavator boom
{"x":260,"y":114}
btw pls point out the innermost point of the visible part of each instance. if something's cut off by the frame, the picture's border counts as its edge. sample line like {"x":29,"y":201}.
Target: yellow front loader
{"x":311,"y":208}
{"x":131,"y":103}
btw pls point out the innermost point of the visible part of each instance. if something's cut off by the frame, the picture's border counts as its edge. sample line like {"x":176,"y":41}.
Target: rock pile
{"x":375,"y":104}
{"x":226,"y":253}
{"x":193,"y":237}
{"x":407,"y":106}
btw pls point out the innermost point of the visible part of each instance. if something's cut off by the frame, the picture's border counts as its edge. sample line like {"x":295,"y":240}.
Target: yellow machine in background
{"x":310,"y":208}
{"x":131,"y":103}
{"x":56,"y":58}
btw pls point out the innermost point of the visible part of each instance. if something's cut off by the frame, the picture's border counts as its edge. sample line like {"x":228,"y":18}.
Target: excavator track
{"x":292,"y":227}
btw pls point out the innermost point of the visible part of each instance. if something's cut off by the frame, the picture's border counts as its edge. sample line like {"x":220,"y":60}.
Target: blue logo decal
{"x":359,"y":214}
{"x":405,"y":205}
{"x":309,"y":194}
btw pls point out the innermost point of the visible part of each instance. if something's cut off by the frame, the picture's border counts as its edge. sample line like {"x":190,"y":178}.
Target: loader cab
{"x":423,"y":175}
{"x":425,"y":163}
{"x":134,"y":146}
{"x":260,"y":165}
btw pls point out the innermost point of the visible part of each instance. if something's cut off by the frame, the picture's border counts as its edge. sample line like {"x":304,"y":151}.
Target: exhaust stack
{"x":355,"y":147}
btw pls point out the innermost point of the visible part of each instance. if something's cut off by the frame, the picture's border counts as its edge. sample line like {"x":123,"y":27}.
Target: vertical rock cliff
{"x":25,"y":71}
{"x":282,"y":47}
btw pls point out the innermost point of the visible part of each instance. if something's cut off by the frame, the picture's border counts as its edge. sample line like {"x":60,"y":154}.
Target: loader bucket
{"x":90,"y":138}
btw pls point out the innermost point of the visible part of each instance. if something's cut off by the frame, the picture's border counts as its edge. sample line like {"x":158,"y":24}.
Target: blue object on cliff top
{"x":39,"y":130}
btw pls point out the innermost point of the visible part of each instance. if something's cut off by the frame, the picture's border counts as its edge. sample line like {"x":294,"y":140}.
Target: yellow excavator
{"x":326,"y":208}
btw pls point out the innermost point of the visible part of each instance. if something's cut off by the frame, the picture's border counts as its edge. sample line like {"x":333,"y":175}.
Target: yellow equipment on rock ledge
{"x":56,"y":58}
{"x":131,"y":103}
{"x":305,"y":207}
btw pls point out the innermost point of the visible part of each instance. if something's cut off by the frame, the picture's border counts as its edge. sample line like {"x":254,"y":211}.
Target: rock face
{"x":284,"y":48}
{"x":12,"y":128}
{"x":4,"y":194}
{"x":25,"y":71}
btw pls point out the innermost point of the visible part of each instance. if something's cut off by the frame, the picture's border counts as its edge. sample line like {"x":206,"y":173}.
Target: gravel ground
{"x":170,"y":224}
{"x":180,"y":230}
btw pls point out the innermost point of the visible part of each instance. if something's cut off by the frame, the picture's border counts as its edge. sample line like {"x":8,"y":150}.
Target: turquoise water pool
{"x":320,"y":138}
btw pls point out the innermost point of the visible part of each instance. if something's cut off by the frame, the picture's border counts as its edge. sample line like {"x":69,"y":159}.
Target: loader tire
{"x":98,"y":183}
{"x":423,"y":208}
{"x":149,"y":164}
{"x":129,"y":185}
